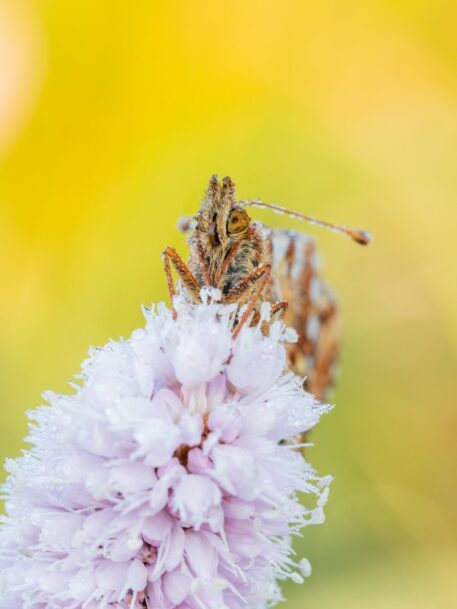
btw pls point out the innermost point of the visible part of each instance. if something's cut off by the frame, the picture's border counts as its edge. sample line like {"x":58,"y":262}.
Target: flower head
{"x":166,"y":480}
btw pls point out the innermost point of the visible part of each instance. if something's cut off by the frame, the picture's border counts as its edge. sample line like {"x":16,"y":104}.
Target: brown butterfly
{"x":250,"y":264}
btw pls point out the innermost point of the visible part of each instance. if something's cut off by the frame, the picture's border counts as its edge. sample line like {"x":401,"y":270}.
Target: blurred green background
{"x":113,"y":115}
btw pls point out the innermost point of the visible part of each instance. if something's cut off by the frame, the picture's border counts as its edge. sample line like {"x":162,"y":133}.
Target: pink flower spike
{"x":168,"y":480}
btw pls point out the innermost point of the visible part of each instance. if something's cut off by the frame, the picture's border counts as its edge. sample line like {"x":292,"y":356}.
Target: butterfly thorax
{"x":223,"y":265}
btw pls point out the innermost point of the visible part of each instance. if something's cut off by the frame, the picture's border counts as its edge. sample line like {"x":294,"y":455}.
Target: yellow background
{"x":113,"y":115}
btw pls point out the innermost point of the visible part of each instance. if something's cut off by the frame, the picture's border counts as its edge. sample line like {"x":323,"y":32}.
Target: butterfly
{"x":250,"y":264}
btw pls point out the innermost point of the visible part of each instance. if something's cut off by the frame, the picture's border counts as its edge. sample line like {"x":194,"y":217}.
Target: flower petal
{"x":176,"y":585}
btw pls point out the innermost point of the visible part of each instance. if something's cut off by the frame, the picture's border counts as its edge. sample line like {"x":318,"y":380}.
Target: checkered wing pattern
{"x":312,"y":310}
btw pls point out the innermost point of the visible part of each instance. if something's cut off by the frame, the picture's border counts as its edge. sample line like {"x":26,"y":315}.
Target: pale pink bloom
{"x":163,"y":482}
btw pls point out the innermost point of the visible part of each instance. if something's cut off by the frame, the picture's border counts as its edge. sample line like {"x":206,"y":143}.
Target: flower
{"x":169,"y":479}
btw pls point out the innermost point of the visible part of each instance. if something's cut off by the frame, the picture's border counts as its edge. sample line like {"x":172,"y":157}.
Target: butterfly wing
{"x":312,"y":310}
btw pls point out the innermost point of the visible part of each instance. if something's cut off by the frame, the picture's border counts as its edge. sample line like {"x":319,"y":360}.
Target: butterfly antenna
{"x":359,"y":236}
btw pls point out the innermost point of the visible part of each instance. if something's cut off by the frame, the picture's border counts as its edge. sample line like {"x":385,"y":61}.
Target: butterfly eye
{"x":238,"y":221}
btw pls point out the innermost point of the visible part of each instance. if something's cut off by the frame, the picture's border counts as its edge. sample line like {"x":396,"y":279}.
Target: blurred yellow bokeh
{"x":113,"y":115}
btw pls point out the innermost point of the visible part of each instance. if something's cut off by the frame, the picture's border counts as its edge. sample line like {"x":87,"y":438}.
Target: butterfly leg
{"x":185,"y":275}
{"x":259,"y":277}
{"x":280,"y":307}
